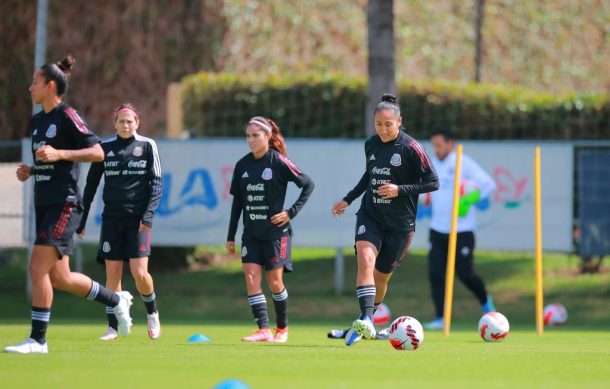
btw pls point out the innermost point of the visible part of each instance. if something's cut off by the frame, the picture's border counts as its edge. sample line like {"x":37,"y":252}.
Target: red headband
{"x":116,"y":114}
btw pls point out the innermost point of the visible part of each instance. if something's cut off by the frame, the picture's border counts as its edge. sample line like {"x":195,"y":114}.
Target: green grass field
{"x":213,"y":302}
{"x":559,"y":359}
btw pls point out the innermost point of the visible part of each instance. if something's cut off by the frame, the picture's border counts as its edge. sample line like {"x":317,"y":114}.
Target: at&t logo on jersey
{"x":51,"y":131}
{"x":395,"y":160}
{"x":267,"y":174}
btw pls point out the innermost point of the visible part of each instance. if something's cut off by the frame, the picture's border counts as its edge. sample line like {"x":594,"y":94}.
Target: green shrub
{"x":331,"y":106}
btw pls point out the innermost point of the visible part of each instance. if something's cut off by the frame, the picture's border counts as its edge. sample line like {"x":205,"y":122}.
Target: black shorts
{"x":120,"y":239}
{"x":56,"y":224}
{"x":391,"y":244}
{"x":270,"y":254}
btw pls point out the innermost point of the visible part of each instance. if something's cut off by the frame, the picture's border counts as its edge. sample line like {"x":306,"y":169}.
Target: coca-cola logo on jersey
{"x":255,"y":187}
{"x":383,"y":171}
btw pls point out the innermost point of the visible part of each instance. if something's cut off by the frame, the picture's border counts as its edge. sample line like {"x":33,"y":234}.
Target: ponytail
{"x":59,"y":72}
{"x":277,"y":141}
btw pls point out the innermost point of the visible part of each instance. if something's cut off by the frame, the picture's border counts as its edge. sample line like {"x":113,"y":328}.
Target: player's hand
{"x":23,"y":172}
{"x":231,"y":247}
{"x":280,"y":219}
{"x":48,"y":154}
{"x":387,"y":191}
{"x":338,"y":208}
{"x":144,"y":228}
{"x":80,"y":234}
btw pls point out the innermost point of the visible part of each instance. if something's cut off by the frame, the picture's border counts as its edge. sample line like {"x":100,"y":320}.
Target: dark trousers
{"x":464,"y":267}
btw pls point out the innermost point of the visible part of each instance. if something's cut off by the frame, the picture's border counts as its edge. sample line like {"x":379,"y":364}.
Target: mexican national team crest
{"x":137,"y":151}
{"x":51,"y":131}
{"x":395,"y":160}
{"x":267,"y":174}
{"x":244,"y":251}
{"x":106,"y":247}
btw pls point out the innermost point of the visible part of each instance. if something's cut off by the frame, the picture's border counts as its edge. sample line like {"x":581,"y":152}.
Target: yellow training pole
{"x":538,"y":222}
{"x":450,"y":274}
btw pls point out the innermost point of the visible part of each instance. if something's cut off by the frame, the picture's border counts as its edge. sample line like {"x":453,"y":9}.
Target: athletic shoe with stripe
{"x":261,"y":335}
{"x":111,"y":334}
{"x":28,"y":346}
{"x":364,"y":326}
{"x":154,"y":326}
{"x":436,"y":324}
{"x":281,"y":335}
{"x":121,"y":311}
{"x":383,"y":334}
{"x":352,"y":337}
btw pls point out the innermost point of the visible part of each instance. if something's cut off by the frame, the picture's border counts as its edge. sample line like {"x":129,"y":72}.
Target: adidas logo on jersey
{"x":372,"y":157}
{"x":245,"y":175}
{"x":110,"y":154}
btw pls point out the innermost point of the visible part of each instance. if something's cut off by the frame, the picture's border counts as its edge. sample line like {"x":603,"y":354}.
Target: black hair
{"x":388,"y":101}
{"x":59,"y":72}
{"x":446,"y":133}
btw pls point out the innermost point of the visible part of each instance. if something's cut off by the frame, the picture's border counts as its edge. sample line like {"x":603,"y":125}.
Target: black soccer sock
{"x":103,"y":295}
{"x":375,"y":306}
{"x":112,"y":320}
{"x":280,"y":303}
{"x":366,"y":299}
{"x":258,"y":304}
{"x":151,"y":302}
{"x":40,"y":321}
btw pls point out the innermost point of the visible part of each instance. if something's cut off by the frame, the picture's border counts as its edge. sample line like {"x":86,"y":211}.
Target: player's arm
{"x":289,"y":172}
{"x":236,"y":209}
{"x":479,"y":176}
{"x":23,"y":172}
{"x":48,"y":153}
{"x":339,"y":207}
{"x":428,"y":179}
{"x":155,"y":185}
{"x":307,"y":185}
{"x":96,"y":170}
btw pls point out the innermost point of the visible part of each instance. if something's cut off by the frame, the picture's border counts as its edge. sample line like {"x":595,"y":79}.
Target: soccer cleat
{"x":489,"y":305}
{"x":365,"y":327}
{"x":436,"y":324}
{"x":337,"y":334}
{"x":28,"y":346}
{"x":154,"y":326}
{"x":383,"y":334}
{"x":121,"y":311}
{"x":261,"y":335}
{"x":111,"y":334}
{"x":352,"y":337}
{"x":281,"y":335}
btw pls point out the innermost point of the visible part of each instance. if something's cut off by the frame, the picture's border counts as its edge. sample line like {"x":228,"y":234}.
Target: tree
{"x":478,"y":48}
{"x":380,"y":21}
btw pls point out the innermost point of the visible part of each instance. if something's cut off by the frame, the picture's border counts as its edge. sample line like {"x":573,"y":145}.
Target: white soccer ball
{"x":493,"y":327}
{"x":555,"y":315}
{"x":382,"y":315}
{"x":406,"y":333}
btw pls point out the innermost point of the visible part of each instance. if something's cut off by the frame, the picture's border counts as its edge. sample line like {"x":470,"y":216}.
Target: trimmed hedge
{"x":220,"y":104}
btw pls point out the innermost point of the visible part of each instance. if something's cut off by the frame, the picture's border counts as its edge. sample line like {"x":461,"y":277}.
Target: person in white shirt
{"x":476,"y":184}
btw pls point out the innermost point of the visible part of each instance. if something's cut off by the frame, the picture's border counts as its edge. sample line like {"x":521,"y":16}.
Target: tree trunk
{"x":478,"y":27}
{"x":380,"y":20}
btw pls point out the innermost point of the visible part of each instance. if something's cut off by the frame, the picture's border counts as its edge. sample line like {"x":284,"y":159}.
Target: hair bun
{"x":389,"y":98}
{"x":66,"y":63}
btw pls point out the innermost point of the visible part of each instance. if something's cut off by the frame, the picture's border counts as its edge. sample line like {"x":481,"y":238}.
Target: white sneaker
{"x":121,"y":311}
{"x":28,"y":346}
{"x":383,"y":334}
{"x":154,"y":326}
{"x":364,"y":327}
{"x":352,"y":337}
{"x":110,"y":334}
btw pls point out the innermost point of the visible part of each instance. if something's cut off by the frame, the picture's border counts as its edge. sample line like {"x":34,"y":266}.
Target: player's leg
{"x":252,"y":265}
{"x":277,"y":260}
{"x":145,"y":286}
{"x":437,"y":266}
{"x":114,"y":274}
{"x":464,"y":266}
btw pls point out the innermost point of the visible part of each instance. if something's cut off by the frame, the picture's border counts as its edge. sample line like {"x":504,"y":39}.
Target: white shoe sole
{"x":361,"y":327}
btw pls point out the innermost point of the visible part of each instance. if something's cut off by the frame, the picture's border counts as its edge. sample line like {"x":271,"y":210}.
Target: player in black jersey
{"x":132,"y":191}
{"x":259,"y":187}
{"x":60,"y":139}
{"x":397,"y":171}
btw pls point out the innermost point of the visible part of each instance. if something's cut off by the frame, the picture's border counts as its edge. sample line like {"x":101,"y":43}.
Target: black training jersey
{"x":132,"y":179}
{"x":402,"y":162}
{"x":259,"y":187}
{"x":63,"y":129}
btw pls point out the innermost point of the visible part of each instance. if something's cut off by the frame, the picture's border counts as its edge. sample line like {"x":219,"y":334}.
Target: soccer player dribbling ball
{"x":132,"y":191}
{"x":60,"y":139}
{"x":397,"y":171}
{"x":258,"y":187}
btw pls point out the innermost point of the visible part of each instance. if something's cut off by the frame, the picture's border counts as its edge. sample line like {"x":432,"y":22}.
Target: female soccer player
{"x":259,"y":188}
{"x":397,"y":171}
{"x":132,"y":192}
{"x":60,"y":139}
